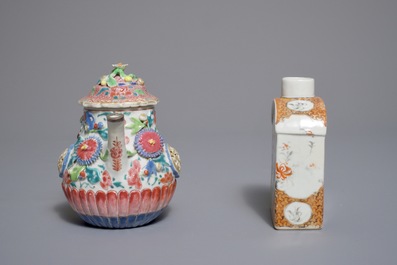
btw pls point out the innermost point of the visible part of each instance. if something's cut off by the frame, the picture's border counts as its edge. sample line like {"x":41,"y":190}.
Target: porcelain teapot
{"x":119,"y":173}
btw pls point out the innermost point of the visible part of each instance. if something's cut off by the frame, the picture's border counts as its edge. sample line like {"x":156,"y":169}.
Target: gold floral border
{"x":316,"y":202}
{"x":283,"y":112}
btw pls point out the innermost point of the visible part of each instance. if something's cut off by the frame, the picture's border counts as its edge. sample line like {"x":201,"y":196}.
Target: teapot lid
{"x":119,"y":90}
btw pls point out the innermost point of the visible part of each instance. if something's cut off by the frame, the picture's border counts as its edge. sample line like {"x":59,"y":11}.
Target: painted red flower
{"x":116,"y":153}
{"x":66,"y":177}
{"x":133,"y":175}
{"x":106,"y":181}
{"x":283,"y":171}
{"x":167,"y":178}
{"x":120,"y":91}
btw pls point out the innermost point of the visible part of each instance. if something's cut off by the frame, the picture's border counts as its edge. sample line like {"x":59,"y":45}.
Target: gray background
{"x":216,"y":66}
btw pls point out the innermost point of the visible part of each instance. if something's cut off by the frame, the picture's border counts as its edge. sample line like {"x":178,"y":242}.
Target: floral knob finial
{"x":120,"y":65}
{"x":118,"y":70}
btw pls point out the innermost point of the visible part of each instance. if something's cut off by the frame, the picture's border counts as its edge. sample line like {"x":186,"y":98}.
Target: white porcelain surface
{"x":297,"y":87}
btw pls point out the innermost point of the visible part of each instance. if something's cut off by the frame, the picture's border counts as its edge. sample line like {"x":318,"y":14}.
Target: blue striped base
{"x":121,"y":222}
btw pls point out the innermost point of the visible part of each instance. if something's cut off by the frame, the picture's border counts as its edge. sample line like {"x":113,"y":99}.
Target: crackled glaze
{"x":119,"y":173}
{"x":299,"y":129}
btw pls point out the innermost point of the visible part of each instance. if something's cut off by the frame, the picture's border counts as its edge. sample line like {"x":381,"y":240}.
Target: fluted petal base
{"x":121,"y":222}
{"x":119,"y":209}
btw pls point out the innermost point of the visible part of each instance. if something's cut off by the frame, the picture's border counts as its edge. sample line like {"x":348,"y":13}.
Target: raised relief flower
{"x":82,"y":175}
{"x":283,"y":171}
{"x":133,"y":175}
{"x":106,"y":180}
{"x":148,"y":143}
{"x":88,"y":150}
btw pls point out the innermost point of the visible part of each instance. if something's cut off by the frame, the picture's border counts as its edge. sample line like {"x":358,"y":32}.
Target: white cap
{"x":297,"y":87}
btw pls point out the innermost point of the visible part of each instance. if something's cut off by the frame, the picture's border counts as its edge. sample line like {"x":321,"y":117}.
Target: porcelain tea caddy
{"x":299,"y":129}
{"x":120,"y":172}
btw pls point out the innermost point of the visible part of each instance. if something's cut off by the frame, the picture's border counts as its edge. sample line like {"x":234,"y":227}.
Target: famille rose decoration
{"x":299,"y":129}
{"x":119,"y":173}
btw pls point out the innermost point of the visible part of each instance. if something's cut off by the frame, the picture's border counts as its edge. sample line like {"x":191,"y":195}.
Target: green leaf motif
{"x":75,"y":172}
{"x":155,"y":180}
{"x":105,"y":156}
{"x":130,"y":154}
{"x":118,"y":71}
{"x":104,"y":114}
{"x":85,"y":185}
{"x":118,"y":184}
{"x":139,"y":92}
{"x":111,"y":81}
{"x":122,"y":74}
{"x":93,"y":175}
{"x":103,"y":133}
{"x":150,"y":119}
{"x":161,"y":159}
{"x":135,"y":126}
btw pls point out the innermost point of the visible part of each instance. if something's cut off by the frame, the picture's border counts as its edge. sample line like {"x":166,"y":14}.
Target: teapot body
{"x":119,"y":173}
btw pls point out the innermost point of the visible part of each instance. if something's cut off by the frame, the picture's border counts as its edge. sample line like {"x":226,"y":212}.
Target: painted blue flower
{"x":89,"y":120}
{"x":150,"y":169}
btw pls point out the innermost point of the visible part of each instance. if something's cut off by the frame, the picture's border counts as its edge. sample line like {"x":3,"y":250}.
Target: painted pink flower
{"x":133,"y":175}
{"x":106,"y":181}
{"x":127,"y":140}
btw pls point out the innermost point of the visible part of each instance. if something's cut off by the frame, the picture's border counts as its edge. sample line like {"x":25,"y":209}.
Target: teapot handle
{"x":60,"y":162}
{"x":63,"y":160}
{"x":174,"y":158}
